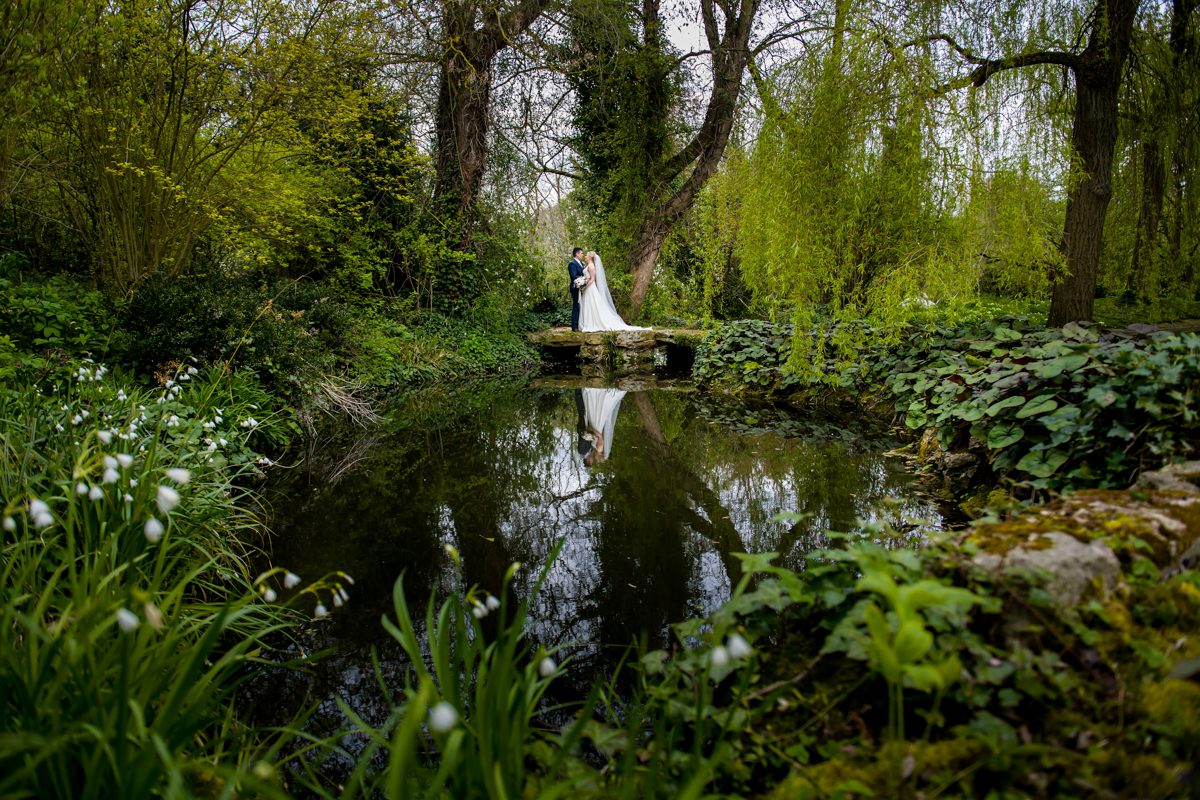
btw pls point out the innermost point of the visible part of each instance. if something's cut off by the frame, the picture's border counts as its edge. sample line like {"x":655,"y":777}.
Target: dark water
{"x":503,"y":472}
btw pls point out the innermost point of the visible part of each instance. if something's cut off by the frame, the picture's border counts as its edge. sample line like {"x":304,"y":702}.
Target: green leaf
{"x":1001,"y":436}
{"x":1011,"y":401}
{"x":1042,"y":404}
{"x":1057,"y":366}
{"x":1042,"y":463}
{"x":912,"y":641}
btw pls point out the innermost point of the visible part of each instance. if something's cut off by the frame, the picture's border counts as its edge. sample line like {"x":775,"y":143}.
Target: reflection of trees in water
{"x":649,"y":533}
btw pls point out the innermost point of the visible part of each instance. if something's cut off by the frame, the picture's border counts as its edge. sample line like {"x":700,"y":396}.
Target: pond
{"x":652,"y":488}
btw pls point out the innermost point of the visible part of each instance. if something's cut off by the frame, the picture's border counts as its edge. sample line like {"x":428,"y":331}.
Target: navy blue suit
{"x":577,"y":271}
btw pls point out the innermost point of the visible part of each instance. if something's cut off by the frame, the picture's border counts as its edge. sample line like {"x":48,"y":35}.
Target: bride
{"x":597,"y":311}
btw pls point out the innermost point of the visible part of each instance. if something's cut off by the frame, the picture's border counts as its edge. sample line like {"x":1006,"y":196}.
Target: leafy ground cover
{"x":1049,"y":408}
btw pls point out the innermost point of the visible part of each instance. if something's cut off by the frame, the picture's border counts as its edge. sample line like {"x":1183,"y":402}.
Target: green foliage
{"x":53,"y":314}
{"x":1053,"y":408}
{"x":128,"y":615}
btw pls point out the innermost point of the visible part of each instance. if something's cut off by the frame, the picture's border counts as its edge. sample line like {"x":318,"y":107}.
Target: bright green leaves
{"x":1042,"y":463}
{"x":1002,"y":436}
{"x":899,"y":642}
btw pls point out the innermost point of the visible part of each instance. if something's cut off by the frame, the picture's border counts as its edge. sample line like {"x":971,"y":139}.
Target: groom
{"x":576,"y":270}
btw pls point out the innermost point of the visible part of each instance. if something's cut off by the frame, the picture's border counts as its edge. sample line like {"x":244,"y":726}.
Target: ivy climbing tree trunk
{"x":729,"y":42}
{"x":474,"y":34}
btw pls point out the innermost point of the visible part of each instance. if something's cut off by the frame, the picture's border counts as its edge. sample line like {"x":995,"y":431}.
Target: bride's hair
{"x":590,"y":253}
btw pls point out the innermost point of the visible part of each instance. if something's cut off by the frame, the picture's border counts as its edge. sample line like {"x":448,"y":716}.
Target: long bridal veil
{"x":599,"y":312}
{"x":600,"y":409}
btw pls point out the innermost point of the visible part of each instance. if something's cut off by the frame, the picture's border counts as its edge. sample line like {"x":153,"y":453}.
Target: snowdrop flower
{"x":81,"y":489}
{"x":291,"y":580}
{"x":75,"y":420}
{"x":110,"y":462}
{"x":719,"y":656}
{"x":111,"y":476}
{"x":161,"y":400}
{"x":218,"y":419}
{"x":320,"y":612}
{"x":43,"y":521}
{"x":133,"y":482}
{"x":264,"y":462}
{"x":208,"y":426}
{"x":443,"y":717}
{"x":126,"y":620}
{"x":342,"y":593}
{"x":192,"y":370}
{"x":84,"y":413}
{"x":223,"y":442}
{"x":104,"y":436}
{"x":128,"y":497}
{"x":179,"y":475}
{"x":479,"y":612}
{"x":211,"y":446}
{"x":738,"y":646}
{"x":250,"y":423}
{"x":337,"y":600}
{"x":58,"y":427}
{"x":10,"y":524}
{"x":167,"y":499}
{"x":546,"y":667}
{"x":95,"y":493}
{"x":173,"y":421}
{"x":493,"y":602}
{"x":38,"y":507}
{"x":347,"y":578}
{"x":153,"y":530}
{"x":125,"y":460}
{"x":121,"y":394}
{"x":170,"y":382}
{"x":270,"y":596}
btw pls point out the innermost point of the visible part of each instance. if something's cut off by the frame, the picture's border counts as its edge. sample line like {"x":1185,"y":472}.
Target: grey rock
{"x":1072,"y":564}
{"x":1182,"y":477}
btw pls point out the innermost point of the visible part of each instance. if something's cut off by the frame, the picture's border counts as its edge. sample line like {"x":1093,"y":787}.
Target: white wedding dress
{"x":597,"y":312}
{"x":600,"y":413}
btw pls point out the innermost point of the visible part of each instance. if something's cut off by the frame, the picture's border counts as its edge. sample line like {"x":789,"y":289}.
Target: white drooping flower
{"x":719,"y":656}
{"x":110,"y":462}
{"x":342,"y":593}
{"x":125,"y":460}
{"x":153,"y":530}
{"x":493,"y":602}
{"x":133,"y":482}
{"x":179,"y":475}
{"x":38,"y":507}
{"x":546,"y":667}
{"x":81,"y":488}
{"x":78,"y":418}
{"x":167,"y":499}
{"x":95,"y":493}
{"x":128,"y":497}
{"x":320,"y":612}
{"x":111,"y":476}
{"x":121,"y":395}
{"x":172,"y":421}
{"x":104,"y":436}
{"x":738,"y":646}
{"x":270,"y":596}
{"x":127,"y":620}
{"x":291,"y":580}
{"x":443,"y":717}
{"x":10,"y":524}
{"x":479,"y":612}
{"x":337,"y":600}
{"x":41,"y":521}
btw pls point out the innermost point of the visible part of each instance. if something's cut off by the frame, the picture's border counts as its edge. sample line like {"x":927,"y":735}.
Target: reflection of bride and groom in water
{"x":596,"y":418}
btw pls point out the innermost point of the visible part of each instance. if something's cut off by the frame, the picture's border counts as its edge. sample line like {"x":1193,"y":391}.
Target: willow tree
{"x":838,"y":207}
{"x":665,"y":165}
{"x":1096,"y":70}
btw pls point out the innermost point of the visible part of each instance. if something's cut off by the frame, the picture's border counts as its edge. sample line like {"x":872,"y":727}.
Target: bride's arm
{"x":591,"y":271}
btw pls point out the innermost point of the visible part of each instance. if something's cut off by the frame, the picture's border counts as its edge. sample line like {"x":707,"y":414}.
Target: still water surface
{"x":653,"y":492}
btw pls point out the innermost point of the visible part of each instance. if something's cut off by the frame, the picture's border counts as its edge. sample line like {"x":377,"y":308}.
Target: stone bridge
{"x":625,"y":352}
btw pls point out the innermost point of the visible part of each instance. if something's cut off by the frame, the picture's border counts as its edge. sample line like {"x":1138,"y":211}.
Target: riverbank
{"x":128,"y":517}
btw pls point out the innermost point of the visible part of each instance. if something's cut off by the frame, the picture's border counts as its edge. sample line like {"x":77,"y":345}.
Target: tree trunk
{"x":464,"y":97}
{"x":462,"y":128}
{"x":1149,"y":214}
{"x":1093,"y":140}
{"x":730,"y":53}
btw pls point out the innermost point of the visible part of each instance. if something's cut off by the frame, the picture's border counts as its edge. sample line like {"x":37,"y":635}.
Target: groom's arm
{"x":574,"y":269}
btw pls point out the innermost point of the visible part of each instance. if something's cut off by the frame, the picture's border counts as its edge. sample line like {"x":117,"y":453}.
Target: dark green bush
{"x":1054,"y":407}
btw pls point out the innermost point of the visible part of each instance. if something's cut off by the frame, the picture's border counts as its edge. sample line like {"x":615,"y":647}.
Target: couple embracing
{"x":592,"y":307}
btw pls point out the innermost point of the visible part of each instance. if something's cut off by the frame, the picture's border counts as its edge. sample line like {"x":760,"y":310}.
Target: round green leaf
{"x":1012,"y":401}
{"x":1001,"y":436}
{"x":1042,"y":463}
